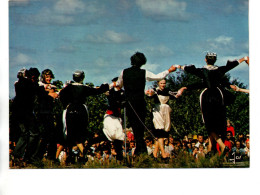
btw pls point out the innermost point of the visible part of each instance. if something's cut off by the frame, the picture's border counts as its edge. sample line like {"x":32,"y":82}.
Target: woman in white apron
{"x":161,"y":116}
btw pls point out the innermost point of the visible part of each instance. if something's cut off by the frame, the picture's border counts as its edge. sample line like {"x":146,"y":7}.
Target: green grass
{"x":183,"y":160}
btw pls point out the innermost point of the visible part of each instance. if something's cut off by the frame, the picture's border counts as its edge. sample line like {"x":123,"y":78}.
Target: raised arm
{"x":98,"y":90}
{"x":156,"y":77}
{"x":191,"y":69}
{"x":236,"y":88}
{"x":232,"y":64}
{"x":246,"y":59}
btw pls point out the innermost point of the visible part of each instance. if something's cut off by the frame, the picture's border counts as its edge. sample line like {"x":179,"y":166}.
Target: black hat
{"x":114,"y":79}
{"x":34,"y":72}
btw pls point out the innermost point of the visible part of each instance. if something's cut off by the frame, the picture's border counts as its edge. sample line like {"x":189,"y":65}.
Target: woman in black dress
{"x":73,"y":98}
{"x":212,"y":99}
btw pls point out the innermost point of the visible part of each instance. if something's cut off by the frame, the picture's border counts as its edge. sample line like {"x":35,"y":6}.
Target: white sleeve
{"x":156,"y":77}
{"x":119,"y":81}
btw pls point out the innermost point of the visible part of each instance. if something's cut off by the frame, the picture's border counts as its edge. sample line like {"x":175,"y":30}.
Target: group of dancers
{"x":127,"y":91}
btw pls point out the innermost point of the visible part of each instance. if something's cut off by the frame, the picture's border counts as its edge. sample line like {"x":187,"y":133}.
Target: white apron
{"x":161,"y":114}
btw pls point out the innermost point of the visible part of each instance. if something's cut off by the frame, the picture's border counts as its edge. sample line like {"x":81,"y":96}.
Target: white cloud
{"x":95,"y":7}
{"x":151,"y":51}
{"x":117,"y":37}
{"x":101,"y":62}
{"x":111,"y":37}
{"x":240,"y":7}
{"x":167,"y":9}
{"x":222,"y":45}
{"x":151,"y":67}
{"x":48,"y":16}
{"x":65,"y":12}
{"x":160,"y":50}
{"x":221,"y":42}
{"x":69,"y":7}
{"x":21,"y":59}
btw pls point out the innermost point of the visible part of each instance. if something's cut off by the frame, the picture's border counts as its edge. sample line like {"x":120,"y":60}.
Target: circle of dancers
{"x":37,"y":132}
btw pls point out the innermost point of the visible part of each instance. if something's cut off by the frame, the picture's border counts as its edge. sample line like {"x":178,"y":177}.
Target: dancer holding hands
{"x":133,"y":80}
{"x":212,"y":98}
{"x":161,"y":115}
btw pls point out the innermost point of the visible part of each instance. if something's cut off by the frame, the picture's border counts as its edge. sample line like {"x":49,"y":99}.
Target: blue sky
{"x":99,"y":36}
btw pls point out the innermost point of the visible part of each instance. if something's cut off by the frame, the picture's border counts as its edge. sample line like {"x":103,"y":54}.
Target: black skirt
{"x":76,"y":122}
{"x":213,"y":110}
{"x":160,"y":133}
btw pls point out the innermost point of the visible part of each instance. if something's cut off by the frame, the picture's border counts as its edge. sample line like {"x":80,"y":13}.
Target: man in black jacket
{"x":134,"y":79}
{"x":27,"y":89}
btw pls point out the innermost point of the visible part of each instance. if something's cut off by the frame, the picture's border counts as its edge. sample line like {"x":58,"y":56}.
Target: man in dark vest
{"x":133,"y":80}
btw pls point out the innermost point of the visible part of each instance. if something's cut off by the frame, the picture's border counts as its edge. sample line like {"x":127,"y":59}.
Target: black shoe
{"x":82,"y":160}
{"x":165,"y":160}
{"x":155,"y":159}
{"x":119,"y":157}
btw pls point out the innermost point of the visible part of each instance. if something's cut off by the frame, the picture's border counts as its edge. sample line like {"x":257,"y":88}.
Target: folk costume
{"x":73,"y":98}
{"x":162,"y":112}
{"x":23,"y":112}
{"x":214,"y":97}
{"x":45,"y":116}
{"x":133,"y":80}
{"x":112,"y":120}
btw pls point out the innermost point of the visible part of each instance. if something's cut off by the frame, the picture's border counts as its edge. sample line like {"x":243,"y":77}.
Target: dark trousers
{"x":119,"y":149}
{"x":29,"y":137}
{"x":48,"y":135}
{"x":138,"y":128}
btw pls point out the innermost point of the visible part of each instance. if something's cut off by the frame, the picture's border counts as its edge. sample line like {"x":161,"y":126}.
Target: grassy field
{"x":142,"y":161}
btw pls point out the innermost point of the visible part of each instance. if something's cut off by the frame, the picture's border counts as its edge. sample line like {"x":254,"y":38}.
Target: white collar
{"x":210,"y":67}
{"x":76,"y":83}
